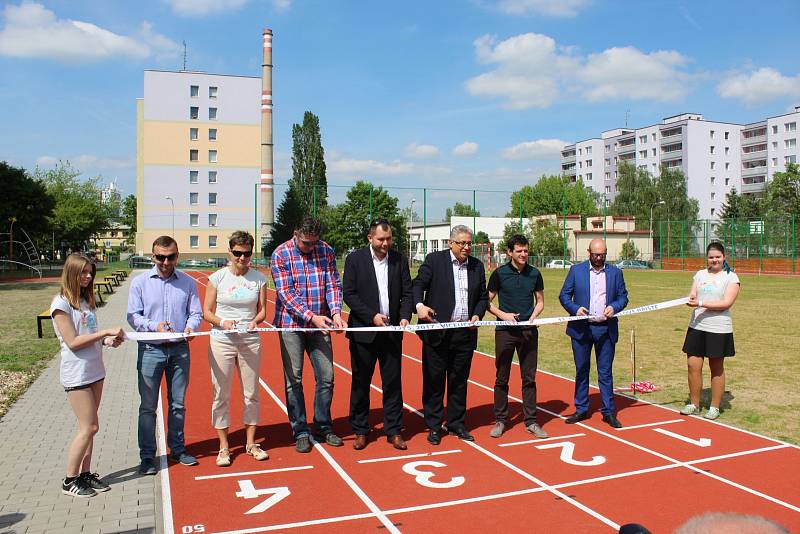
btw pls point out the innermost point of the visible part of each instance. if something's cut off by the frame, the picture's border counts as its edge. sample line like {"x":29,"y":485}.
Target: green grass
{"x":761,"y":394}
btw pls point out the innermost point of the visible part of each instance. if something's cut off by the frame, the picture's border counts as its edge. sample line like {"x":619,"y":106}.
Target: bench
{"x":99,"y":296}
{"x":111,"y":279}
{"x":45,"y":315}
{"x":121,"y":273}
{"x":106,"y":284}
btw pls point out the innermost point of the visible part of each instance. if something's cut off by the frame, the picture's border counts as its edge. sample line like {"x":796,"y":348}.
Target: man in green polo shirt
{"x":521,"y":290}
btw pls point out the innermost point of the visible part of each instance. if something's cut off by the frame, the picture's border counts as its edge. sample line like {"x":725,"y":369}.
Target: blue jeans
{"x":318,"y":346}
{"x":604,"y":350}
{"x":153,"y":362}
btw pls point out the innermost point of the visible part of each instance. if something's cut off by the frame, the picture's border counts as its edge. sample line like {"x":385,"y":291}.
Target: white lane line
{"x":407,"y":456}
{"x":260,"y":472}
{"x":670,"y":421}
{"x":299,"y":524}
{"x":166,"y":496}
{"x":338,"y":468}
{"x":528,"y":441}
{"x":735,"y":454}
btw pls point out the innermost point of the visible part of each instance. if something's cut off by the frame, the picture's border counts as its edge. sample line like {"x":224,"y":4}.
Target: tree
{"x":481,"y":238}
{"x":287,"y":219}
{"x":512,"y":228}
{"x":782,"y":196}
{"x":551,"y":194}
{"x":460,"y":210}
{"x":738,"y":206}
{"x":629,"y":251}
{"x":348,"y":222}
{"x":78,"y":211}
{"x":308,"y":165}
{"x":27,"y":200}
{"x":547,"y":240}
{"x":637,"y":193}
{"x":129,"y":217}
{"x":678,"y":235}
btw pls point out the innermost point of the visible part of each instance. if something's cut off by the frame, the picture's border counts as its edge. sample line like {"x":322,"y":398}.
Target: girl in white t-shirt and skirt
{"x":82,"y":371}
{"x":710,"y":332}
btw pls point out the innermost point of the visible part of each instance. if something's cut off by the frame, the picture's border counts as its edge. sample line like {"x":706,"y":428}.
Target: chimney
{"x":267,"y":191}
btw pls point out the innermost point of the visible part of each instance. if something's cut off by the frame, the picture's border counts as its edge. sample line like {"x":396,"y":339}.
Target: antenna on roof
{"x":184,"y":55}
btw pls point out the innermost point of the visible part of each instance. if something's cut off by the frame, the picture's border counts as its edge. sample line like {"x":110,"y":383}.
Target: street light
{"x":659,"y":203}
{"x":173,"y":214}
{"x":410,"y":226}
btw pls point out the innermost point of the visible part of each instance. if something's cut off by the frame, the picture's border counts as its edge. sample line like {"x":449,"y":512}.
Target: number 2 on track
{"x":248,"y":491}
{"x":423,"y":478}
{"x":567,"y":450}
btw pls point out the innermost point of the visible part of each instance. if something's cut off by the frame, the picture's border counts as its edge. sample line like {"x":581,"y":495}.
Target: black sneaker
{"x":94,"y":482}
{"x":77,"y":488}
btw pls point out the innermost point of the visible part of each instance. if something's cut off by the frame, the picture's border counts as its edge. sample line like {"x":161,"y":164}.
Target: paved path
{"x":35,"y":434}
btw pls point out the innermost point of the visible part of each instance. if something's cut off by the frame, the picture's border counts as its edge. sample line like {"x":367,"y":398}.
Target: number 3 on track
{"x":248,"y":491}
{"x":567,"y":450}
{"x":423,"y":477}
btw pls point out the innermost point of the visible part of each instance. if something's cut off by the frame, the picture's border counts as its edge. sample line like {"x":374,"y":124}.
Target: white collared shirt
{"x":382,"y":275}
{"x":461,"y":285}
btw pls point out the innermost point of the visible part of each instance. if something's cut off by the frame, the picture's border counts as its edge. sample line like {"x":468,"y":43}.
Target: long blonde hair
{"x":71,"y":281}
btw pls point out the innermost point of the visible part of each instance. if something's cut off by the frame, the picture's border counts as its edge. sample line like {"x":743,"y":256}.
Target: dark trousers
{"x":387,"y":350}
{"x":604,"y":354}
{"x":447,"y":363}
{"x":525,"y":341}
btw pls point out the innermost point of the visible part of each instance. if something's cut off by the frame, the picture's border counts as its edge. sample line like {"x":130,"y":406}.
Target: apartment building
{"x":198,"y":159}
{"x":714,"y":156}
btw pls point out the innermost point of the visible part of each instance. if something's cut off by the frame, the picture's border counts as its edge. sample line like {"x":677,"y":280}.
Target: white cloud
{"x":32,"y":31}
{"x":539,"y":149}
{"x":533,"y":71}
{"x":87,"y":162}
{"x":549,"y":8}
{"x":762,"y":85}
{"x":203,"y":7}
{"x":282,"y":5}
{"x":421,"y":151}
{"x":467,"y":148}
{"x":369,"y":167}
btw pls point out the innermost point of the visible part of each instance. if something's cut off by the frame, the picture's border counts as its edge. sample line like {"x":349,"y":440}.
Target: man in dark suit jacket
{"x":450,"y":286}
{"x":597,"y":289}
{"x":377,"y":287}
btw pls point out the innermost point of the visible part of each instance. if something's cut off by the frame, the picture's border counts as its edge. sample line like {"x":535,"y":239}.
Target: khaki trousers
{"x":224,"y":354}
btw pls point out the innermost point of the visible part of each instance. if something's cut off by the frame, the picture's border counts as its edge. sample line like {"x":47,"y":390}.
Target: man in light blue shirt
{"x":163,"y":300}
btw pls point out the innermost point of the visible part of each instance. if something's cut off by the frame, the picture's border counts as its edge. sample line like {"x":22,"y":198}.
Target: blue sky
{"x":463,"y":94}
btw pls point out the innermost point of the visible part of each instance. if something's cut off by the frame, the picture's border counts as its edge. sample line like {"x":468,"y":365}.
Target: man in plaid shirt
{"x":309,"y":296}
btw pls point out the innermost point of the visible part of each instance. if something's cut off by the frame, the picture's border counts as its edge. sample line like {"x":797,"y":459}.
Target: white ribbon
{"x":420,"y":327}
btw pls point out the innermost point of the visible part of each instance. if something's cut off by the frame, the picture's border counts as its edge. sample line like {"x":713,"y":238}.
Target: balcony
{"x":753,"y":188}
{"x":569,"y":172}
{"x":674,"y":138}
{"x":753,"y":140}
{"x":568,"y":159}
{"x":747,"y":156}
{"x":754,"y":171}
{"x":670,"y":156}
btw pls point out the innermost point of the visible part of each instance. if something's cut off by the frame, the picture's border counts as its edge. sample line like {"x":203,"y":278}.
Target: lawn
{"x":761,"y":394}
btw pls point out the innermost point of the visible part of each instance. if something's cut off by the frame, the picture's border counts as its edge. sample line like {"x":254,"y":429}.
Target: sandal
{"x":256,"y":452}
{"x":224,"y":458}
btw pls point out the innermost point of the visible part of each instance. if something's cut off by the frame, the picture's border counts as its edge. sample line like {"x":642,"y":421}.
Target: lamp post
{"x":173,"y":214}
{"x":410,"y":226}
{"x":659,"y":203}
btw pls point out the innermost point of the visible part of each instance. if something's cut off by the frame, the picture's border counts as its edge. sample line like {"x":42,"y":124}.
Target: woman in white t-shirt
{"x":236,"y":300}
{"x":82,"y":371}
{"x":710,"y":333}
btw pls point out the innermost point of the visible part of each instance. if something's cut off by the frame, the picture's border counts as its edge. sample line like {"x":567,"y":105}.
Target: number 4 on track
{"x":248,"y":491}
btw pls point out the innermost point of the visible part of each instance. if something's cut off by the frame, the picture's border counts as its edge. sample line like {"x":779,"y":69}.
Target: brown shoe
{"x":360,"y":442}
{"x":397,"y":442}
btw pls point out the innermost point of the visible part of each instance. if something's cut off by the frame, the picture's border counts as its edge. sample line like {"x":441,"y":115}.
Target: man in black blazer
{"x":450,"y":286}
{"x":377,"y":288}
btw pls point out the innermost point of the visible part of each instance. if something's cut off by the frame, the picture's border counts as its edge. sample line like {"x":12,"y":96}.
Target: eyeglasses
{"x":240,"y":253}
{"x":165,"y":257}
{"x":380,"y":222}
{"x":598,"y":255}
{"x":463,"y":244}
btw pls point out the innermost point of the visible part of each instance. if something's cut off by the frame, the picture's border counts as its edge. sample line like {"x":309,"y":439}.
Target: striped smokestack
{"x":267,"y":192}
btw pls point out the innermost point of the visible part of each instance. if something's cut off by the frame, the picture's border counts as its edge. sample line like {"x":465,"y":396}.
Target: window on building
{"x":712,"y":165}
{"x":193,"y":198}
{"x":790,"y":143}
{"x":608,"y":176}
{"x":580,"y":177}
{"x":711,"y":149}
{"x":212,"y":156}
{"x":212,"y":199}
{"x":653,"y":137}
{"x":615,"y":175}
{"x":774,"y":162}
{"x":713,"y":179}
{"x":713,"y":195}
{"x":588,"y":150}
{"x":588,"y":163}
{"x":608,"y":148}
{"x":727,"y":150}
{"x":212,"y":134}
{"x":212,"y":177}
{"x":194,"y":112}
{"x":643,"y":154}
{"x":580,"y":152}
{"x":212,"y":219}
{"x":193,"y":133}
{"x":608,"y":161}
{"x":712,"y":134}
{"x":774,"y":145}
{"x":655,"y":166}
{"x":193,"y":177}
{"x":212,"y":114}
{"x":194,"y":91}
{"x":193,"y":155}
{"x":643,"y":139}
{"x":444,"y":244}
{"x":212,"y":92}
{"x":653,"y":152}
{"x":790,"y":159}
{"x":727,"y":135}
{"x":580,"y":164}
{"x":791,"y":126}
{"x":434,"y":245}
{"x":588,"y":177}
{"x":727,"y":166}
{"x":727,"y":181}
{"x":212,"y":241}
{"x":712,"y":212}
{"x":775,"y":129}
{"x":643,"y":167}
{"x":194,"y":219}
{"x":616,"y":159}
{"x":608,"y":189}
{"x":194,"y":241}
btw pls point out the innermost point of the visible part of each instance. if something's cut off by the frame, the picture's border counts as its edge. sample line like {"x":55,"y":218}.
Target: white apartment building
{"x":714,"y":156}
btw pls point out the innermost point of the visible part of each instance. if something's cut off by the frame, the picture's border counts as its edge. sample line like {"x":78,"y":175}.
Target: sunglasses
{"x":240,"y":253}
{"x":163,"y":257}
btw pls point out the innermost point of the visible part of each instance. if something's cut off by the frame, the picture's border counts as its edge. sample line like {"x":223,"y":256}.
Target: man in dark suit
{"x":596,"y":289}
{"x":377,"y":287}
{"x":450,"y":286}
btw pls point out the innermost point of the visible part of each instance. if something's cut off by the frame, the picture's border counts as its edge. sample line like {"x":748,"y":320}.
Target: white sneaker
{"x":498,"y":429}
{"x":712,"y":413}
{"x":690,"y":409}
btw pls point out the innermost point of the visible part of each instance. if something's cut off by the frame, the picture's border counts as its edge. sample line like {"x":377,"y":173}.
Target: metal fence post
{"x":683,"y":255}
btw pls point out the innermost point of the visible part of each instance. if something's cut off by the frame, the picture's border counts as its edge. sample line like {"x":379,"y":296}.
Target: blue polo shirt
{"x":516,"y":289}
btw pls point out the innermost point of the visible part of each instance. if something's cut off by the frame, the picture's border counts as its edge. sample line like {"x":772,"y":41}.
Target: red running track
{"x":659,"y":470}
